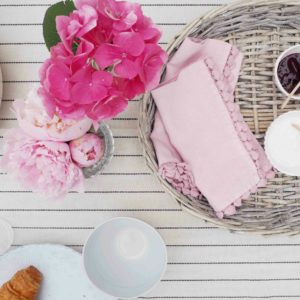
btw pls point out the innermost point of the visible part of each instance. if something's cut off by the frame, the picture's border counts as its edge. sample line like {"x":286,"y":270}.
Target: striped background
{"x":204,"y":262}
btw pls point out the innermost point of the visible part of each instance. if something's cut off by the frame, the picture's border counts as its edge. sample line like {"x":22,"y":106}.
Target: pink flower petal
{"x":126,"y":23}
{"x":151,"y":64}
{"x":126,"y":69}
{"x":130,"y":88}
{"x":48,"y":101}
{"x":86,"y":93}
{"x":80,"y":60}
{"x":85,"y":47}
{"x":73,"y":28}
{"x":58,"y":78}
{"x":61,"y":27}
{"x":107,"y":109}
{"x":43,"y":69}
{"x":150,"y":34}
{"x":80,"y":3}
{"x":59,"y":52}
{"x":102,"y":78}
{"x":88,"y":17}
{"x":130,"y":42}
{"x":106,"y":55}
{"x":83,"y":75}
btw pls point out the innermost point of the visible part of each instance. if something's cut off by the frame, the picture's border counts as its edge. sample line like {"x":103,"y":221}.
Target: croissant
{"x":24,"y":285}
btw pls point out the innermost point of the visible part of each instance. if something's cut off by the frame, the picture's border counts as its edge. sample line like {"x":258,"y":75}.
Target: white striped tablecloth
{"x":204,"y":262}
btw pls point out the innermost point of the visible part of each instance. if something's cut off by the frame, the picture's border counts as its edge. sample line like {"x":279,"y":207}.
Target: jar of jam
{"x":287,"y":71}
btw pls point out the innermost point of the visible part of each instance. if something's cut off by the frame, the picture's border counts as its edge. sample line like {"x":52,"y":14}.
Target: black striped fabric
{"x":204,"y":262}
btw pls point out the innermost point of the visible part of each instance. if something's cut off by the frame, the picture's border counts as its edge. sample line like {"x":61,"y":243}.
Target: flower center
{"x":91,"y":154}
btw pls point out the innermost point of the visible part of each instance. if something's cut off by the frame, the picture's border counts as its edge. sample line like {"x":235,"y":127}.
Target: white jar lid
{"x":282,"y":143}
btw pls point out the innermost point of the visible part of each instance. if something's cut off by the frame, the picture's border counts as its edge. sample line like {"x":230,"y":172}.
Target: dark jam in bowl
{"x":289,"y":72}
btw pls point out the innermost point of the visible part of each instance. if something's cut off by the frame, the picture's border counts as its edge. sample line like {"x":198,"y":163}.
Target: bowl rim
{"x":278,"y":60}
{"x":138,"y":221}
{"x":11,"y":235}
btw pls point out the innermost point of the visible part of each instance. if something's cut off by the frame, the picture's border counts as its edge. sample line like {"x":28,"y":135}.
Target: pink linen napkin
{"x":200,"y":137}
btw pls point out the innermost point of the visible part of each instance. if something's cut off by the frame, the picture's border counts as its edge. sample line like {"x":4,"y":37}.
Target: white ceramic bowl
{"x":282,"y":143}
{"x":125,"y":257}
{"x":291,"y":50}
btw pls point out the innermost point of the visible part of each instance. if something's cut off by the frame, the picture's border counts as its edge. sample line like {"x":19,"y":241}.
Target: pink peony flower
{"x":45,"y":167}
{"x":77,"y":24}
{"x":87,"y":150}
{"x":34,"y":120}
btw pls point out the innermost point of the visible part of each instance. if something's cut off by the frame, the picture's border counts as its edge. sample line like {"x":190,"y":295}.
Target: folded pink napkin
{"x":201,"y":140}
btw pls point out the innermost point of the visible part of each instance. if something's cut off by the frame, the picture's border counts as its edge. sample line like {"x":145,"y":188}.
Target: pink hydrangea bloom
{"x":73,"y":92}
{"x":108,"y":55}
{"x":55,"y":73}
{"x":45,"y":167}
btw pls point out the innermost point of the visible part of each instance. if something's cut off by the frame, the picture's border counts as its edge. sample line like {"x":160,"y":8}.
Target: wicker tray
{"x":262,"y":29}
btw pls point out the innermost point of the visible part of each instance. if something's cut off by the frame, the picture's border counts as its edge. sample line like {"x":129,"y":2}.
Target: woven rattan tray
{"x":261,"y":29}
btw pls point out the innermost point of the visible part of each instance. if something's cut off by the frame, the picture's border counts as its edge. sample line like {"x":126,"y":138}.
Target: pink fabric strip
{"x":199,"y":128}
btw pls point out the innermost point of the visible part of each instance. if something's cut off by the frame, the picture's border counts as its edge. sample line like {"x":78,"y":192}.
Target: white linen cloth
{"x":204,"y":262}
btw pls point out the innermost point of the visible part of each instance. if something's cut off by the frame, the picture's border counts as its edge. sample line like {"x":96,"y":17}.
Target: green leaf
{"x":51,"y":36}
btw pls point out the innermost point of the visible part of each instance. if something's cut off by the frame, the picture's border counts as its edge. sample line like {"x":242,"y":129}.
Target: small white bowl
{"x":291,"y":50}
{"x":282,"y":143}
{"x":125,"y":257}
